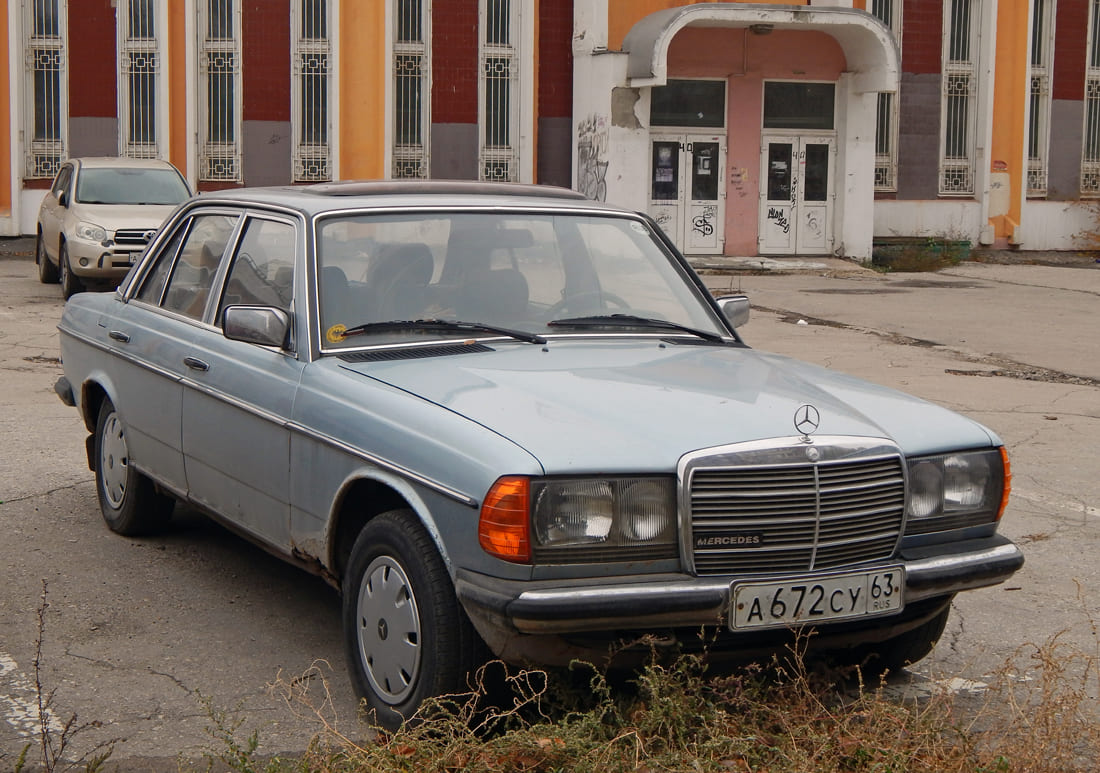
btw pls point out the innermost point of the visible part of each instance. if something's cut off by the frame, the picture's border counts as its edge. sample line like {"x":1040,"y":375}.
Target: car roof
{"x":115,"y":162}
{"x":378,"y":194}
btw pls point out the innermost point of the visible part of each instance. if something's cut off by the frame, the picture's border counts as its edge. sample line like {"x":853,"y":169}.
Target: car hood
{"x":115,"y":216}
{"x":640,"y":405}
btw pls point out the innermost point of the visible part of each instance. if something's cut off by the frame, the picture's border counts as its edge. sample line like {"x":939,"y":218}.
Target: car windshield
{"x":130,"y":185}
{"x":535,"y":273}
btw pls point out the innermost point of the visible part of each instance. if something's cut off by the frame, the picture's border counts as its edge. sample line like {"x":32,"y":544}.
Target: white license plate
{"x":808,"y":600}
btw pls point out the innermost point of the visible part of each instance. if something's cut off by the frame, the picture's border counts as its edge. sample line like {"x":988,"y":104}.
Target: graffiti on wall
{"x":592,"y":141}
{"x":703,"y":223}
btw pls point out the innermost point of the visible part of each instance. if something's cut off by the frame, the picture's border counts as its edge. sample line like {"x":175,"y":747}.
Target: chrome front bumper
{"x":662,"y":601}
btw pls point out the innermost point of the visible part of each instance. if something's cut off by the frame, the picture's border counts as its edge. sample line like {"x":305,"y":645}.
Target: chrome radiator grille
{"x":795,"y":517}
{"x":132,"y":237}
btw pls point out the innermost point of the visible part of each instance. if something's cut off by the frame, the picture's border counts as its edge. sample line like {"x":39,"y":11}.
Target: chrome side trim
{"x":301,"y":429}
{"x":328,"y":440}
{"x":393,"y":467}
{"x":121,"y":355}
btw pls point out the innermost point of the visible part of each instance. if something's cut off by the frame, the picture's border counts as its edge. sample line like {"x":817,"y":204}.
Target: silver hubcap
{"x":114,"y":461}
{"x":389,"y":630}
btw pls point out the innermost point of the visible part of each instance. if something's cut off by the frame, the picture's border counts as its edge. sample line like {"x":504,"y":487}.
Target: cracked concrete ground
{"x":140,"y":633}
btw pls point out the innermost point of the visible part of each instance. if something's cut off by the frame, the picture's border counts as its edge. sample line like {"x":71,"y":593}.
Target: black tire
{"x":47,"y":272}
{"x":129,"y":501}
{"x":911,"y":647}
{"x":406,"y":635}
{"x":70,"y":282}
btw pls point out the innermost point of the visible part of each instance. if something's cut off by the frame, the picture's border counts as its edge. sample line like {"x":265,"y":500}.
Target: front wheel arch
{"x":358,"y":503}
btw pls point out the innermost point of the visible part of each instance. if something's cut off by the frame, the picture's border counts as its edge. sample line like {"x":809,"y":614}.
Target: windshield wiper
{"x":630,"y":320}
{"x":443,"y":325}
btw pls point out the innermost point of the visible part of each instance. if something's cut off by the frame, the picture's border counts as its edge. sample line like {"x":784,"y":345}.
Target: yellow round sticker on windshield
{"x":335,"y":334}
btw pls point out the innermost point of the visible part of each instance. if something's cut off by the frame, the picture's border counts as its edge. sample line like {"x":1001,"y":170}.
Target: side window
{"x":262,"y":273}
{"x":62,"y":181}
{"x":153,"y":287}
{"x":197,"y":266}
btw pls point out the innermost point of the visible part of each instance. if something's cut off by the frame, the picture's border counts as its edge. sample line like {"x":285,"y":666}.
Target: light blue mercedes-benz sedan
{"x":505,"y":421}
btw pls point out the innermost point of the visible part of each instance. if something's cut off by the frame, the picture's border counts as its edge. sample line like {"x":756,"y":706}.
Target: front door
{"x":687,"y":191}
{"x":796,"y":195}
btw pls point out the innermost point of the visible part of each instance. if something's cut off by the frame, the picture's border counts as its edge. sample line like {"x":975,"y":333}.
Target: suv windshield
{"x":130,"y":186}
{"x":518,"y":271}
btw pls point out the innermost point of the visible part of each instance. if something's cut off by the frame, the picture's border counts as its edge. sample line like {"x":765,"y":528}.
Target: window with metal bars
{"x":1090,"y":155}
{"x":44,"y":23}
{"x":411,"y":88}
{"x":498,"y":78}
{"x":219,"y":58}
{"x":886,"y":128}
{"x":960,"y":89}
{"x":311,"y":90}
{"x":1038,"y":130}
{"x":139,"y":69}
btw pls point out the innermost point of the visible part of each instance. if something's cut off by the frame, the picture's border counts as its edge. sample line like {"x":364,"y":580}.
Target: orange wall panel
{"x":624,"y":14}
{"x":362,"y":129}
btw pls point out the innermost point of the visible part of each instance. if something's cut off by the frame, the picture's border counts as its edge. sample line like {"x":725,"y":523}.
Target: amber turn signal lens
{"x":1007,"y":484}
{"x":504,"y":527}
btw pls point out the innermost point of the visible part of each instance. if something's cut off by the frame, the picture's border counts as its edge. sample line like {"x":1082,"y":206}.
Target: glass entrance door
{"x":687,"y":195}
{"x":796,"y":196}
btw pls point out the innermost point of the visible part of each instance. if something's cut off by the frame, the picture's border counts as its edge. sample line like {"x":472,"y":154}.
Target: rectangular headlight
{"x":956,"y":490}
{"x":603,"y":519}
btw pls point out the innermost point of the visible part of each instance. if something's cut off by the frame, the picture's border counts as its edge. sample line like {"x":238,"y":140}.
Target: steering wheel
{"x":586,"y":298}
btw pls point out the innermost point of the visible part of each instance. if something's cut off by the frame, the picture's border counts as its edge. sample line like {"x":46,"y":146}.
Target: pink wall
{"x":781,"y":55}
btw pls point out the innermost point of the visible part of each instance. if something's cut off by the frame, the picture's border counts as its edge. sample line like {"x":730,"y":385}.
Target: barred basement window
{"x":1038,"y":130}
{"x":45,"y":115}
{"x":1090,"y":157}
{"x":498,"y":108}
{"x":311,"y":90}
{"x":220,"y":86}
{"x":886,"y":131}
{"x":960,"y":88}
{"x":139,"y":58}
{"x":411,"y":88}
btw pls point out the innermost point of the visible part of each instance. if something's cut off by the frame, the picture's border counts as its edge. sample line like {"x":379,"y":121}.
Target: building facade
{"x":749,"y":128}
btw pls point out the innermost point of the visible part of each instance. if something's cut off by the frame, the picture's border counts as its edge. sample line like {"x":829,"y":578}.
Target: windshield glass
{"x":130,"y":186}
{"x":520,"y":271}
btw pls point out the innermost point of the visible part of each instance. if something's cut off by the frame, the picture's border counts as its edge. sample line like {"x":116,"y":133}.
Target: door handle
{"x":195,"y":364}
{"x":118,"y":335}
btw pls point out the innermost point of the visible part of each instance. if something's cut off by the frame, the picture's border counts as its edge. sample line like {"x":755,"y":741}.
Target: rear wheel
{"x":70,"y":282}
{"x":129,"y":501}
{"x":47,"y":272}
{"x":407,"y":637}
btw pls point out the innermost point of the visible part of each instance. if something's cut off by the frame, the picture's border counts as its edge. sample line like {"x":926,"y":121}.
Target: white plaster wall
{"x":29,"y":201}
{"x":855,"y":169}
{"x":946,"y":218}
{"x":1059,"y":225}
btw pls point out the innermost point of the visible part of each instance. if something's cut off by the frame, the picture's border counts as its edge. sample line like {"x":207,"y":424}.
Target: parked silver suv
{"x":98,"y":216}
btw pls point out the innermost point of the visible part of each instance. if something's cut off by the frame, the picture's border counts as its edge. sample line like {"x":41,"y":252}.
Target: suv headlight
{"x":580,"y":520}
{"x":91,"y":232}
{"x":953,"y":491}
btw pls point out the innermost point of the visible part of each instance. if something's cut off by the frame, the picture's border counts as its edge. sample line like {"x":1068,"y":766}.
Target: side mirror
{"x":260,"y":325}
{"x":735,"y":308}
{"x":63,"y":198}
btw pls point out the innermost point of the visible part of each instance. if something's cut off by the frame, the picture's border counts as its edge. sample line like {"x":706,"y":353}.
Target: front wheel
{"x":892,"y":655}
{"x":70,"y":282}
{"x":47,"y":272}
{"x":407,"y":637}
{"x":129,"y":501}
